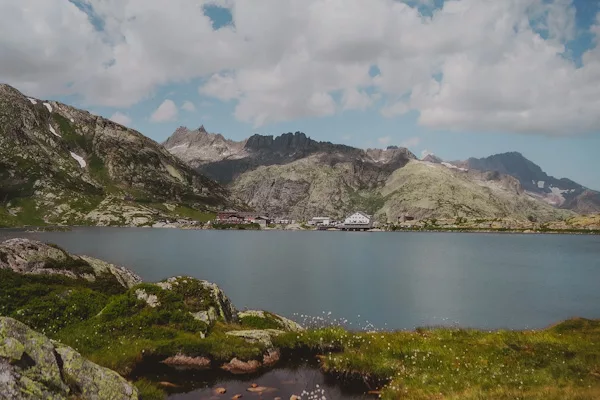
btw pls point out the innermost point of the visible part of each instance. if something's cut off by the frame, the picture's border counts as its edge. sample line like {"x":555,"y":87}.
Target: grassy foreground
{"x":113,"y":328}
{"x":561,"y":362}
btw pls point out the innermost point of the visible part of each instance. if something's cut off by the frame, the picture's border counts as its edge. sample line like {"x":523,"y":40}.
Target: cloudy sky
{"x":458,"y":78}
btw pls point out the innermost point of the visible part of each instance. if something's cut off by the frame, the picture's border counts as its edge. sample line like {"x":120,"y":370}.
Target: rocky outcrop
{"x":262,"y":336}
{"x":27,"y":256}
{"x":59,"y":165}
{"x":34,"y":367}
{"x":207,"y":301}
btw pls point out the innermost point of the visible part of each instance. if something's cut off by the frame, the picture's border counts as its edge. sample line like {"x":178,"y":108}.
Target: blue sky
{"x":476,"y":92}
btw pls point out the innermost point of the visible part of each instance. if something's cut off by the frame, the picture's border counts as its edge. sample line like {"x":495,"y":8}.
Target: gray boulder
{"x":34,"y":367}
{"x":27,"y":256}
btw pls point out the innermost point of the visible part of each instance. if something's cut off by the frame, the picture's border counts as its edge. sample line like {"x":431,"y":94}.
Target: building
{"x":234,"y":217}
{"x":357,"y":222}
{"x":262,"y":221}
{"x":317,"y":221}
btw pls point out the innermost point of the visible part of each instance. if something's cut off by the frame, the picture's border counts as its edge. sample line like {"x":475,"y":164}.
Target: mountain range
{"x":62,"y":165}
{"x":296,"y":176}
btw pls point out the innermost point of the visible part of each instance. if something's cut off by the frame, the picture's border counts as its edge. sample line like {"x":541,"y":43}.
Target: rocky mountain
{"x":293,"y":175}
{"x":62,"y":165}
{"x":563,"y":193}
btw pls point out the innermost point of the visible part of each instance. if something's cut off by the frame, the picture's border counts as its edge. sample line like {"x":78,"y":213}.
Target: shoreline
{"x":67,"y":228}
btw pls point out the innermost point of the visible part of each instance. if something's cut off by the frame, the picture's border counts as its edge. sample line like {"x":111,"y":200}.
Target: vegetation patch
{"x":447,"y":363}
{"x":196,"y":215}
{"x":269,"y":321}
{"x":70,"y":136}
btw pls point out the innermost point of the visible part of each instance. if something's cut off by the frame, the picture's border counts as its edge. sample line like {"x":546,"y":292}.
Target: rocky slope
{"x":62,"y":165}
{"x":563,"y":193}
{"x":295,"y":176}
{"x":426,"y":190}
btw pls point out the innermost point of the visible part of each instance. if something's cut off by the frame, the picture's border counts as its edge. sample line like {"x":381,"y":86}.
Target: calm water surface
{"x":392,"y":280}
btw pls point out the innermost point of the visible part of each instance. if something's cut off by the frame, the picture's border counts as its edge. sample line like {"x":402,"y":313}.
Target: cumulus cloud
{"x":121,"y":118}
{"x":411,"y":142}
{"x":167,"y":111}
{"x":470,"y":65}
{"x":188,"y":106}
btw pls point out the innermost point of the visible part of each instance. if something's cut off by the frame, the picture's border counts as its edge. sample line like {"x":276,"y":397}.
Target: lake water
{"x":392,"y":280}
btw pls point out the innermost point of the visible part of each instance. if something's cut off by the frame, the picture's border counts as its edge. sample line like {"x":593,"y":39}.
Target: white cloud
{"x":354,"y":99}
{"x":167,"y":111}
{"x":288,"y":59}
{"x":395,"y":109}
{"x":121,"y":118}
{"x":385,"y":140}
{"x":188,"y":106}
{"x":411,"y":142}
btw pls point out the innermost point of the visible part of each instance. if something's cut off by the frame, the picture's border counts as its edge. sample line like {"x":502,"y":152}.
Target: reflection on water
{"x":188,"y":384}
{"x":402,"y":279}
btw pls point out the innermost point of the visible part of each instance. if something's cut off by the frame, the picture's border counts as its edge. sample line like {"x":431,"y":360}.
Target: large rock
{"x":32,"y":257}
{"x":34,"y":367}
{"x":261,"y":336}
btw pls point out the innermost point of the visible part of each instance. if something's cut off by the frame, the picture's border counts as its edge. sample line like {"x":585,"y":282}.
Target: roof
{"x":362,"y":213}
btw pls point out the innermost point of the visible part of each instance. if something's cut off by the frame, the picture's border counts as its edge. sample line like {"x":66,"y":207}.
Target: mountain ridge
{"x":296,"y":176}
{"x":560,"y":192}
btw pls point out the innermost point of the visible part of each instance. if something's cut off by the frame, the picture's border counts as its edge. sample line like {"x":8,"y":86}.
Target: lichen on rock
{"x":34,"y":367}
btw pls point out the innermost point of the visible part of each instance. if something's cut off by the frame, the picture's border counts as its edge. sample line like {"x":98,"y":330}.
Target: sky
{"x":457,"y":78}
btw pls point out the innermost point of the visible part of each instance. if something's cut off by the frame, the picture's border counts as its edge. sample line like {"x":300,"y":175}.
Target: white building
{"x":316,"y":221}
{"x":358,"y":219}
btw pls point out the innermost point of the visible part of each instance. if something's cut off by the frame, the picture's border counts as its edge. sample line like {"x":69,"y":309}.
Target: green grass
{"x":449,"y":363}
{"x":255,"y":322}
{"x":149,"y":390}
{"x":29,"y":215}
{"x":70,"y":136}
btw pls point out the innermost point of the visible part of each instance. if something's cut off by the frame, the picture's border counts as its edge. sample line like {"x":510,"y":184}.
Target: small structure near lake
{"x":359,"y":221}
{"x":318,"y":221}
{"x":234,"y":217}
